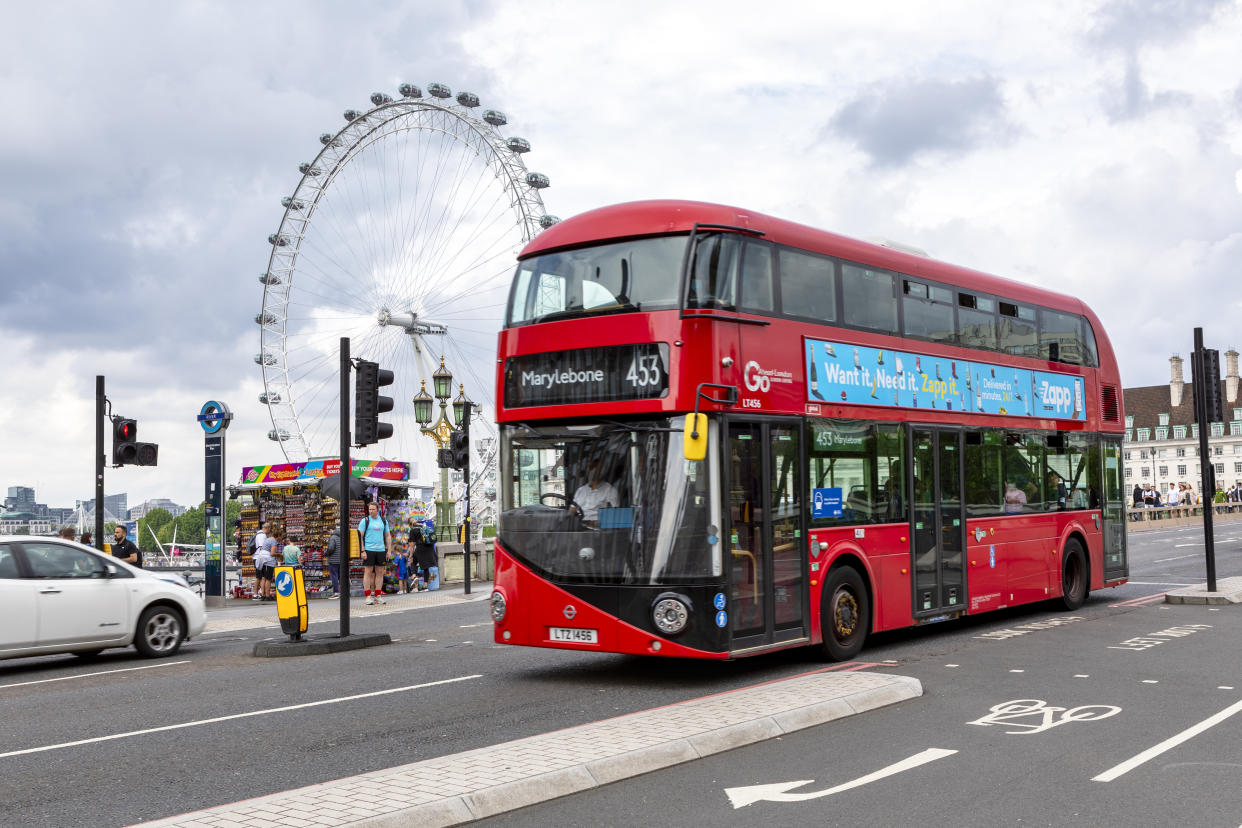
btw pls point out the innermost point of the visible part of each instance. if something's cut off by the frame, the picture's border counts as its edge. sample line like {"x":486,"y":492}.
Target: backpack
{"x":250,"y":545}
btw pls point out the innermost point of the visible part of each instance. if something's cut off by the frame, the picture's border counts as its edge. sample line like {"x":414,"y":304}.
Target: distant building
{"x":117,"y":504}
{"x":1162,"y":435}
{"x":20,"y":499}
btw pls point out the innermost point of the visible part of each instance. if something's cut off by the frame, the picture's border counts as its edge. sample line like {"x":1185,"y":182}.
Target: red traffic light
{"x":125,"y":430}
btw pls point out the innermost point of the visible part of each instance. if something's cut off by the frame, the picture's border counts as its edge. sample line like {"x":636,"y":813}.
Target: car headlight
{"x":498,"y":607}
{"x":671,"y":613}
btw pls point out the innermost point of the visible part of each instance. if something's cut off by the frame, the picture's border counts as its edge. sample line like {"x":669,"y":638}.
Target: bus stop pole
{"x":346,"y":472}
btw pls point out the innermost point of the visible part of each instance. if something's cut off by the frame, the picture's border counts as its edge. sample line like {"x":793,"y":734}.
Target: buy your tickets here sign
{"x":837,"y":372}
{"x":315,"y":469}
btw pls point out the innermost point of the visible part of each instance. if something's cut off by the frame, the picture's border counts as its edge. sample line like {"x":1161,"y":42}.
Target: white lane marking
{"x":1172,"y":742}
{"x":89,"y":675}
{"x":236,"y":716}
{"x":1225,"y":687}
{"x":1150,"y":681}
{"x":776,"y":792}
{"x":1182,"y":546}
{"x":468,"y":626}
{"x":1174,"y":558}
{"x":1017,"y":671}
{"x":1081,"y":675}
{"x":1160,"y":583}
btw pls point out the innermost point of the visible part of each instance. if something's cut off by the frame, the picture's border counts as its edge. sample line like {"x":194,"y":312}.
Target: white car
{"x":57,"y":596}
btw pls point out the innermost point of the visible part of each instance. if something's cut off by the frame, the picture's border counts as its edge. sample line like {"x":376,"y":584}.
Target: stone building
{"x":1162,"y":436}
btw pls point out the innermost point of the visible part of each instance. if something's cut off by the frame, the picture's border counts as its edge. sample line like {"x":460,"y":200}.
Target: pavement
{"x":460,"y":788}
{"x":247,"y":614}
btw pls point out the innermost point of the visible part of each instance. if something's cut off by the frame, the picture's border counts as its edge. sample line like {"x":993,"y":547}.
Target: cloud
{"x":894,"y":123}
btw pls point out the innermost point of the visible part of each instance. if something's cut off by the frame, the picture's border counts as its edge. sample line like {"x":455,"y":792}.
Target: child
{"x":403,"y":575}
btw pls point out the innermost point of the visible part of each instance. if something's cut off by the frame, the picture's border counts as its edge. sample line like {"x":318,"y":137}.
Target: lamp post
{"x":441,"y":432}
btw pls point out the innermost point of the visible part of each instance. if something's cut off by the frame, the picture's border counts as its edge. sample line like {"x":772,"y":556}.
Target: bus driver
{"x":593,"y":494}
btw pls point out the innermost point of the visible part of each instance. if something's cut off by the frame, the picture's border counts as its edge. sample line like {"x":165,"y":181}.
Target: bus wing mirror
{"x":694,"y":439}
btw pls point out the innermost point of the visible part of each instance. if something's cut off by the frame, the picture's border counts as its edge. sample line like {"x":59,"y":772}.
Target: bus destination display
{"x":582,"y":375}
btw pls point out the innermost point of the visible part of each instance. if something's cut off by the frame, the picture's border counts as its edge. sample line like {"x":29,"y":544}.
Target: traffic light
{"x":368,"y":404}
{"x":444,"y":458}
{"x":459,"y":444}
{"x":126,"y":450}
{"x":1205,"y":373}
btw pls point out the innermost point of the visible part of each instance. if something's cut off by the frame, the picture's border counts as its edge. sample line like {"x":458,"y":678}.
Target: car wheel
{"x":160,"y":632}
{"x":1075,"y":577}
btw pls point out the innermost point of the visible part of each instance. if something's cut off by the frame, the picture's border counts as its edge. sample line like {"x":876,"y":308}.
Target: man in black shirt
{"x":124,"y":548}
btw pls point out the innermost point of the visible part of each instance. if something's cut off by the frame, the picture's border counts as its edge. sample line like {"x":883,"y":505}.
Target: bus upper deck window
{"x":713,"y":273}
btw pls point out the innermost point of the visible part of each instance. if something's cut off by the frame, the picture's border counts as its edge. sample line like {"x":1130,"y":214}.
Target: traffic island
{"x":319,"y":645}
{"x":1228,"y":591}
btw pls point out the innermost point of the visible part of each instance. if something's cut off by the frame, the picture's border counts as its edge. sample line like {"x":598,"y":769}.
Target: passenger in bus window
{"x":1056,"y":492}
{"x":593,"y":494}
{"x":1015,"y":498}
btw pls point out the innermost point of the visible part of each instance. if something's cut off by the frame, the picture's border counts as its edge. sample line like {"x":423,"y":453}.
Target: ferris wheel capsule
{"x":409,"y":90}
{"x":327,"y":140}
{"x":306,"y":168}
{"x":379,"y":98}
{"x":468,"y":99}
{"x":352,"y":115}
{"x":495,"y":117}
{"x":264,"y":319}
{"x":269,"y":398}
{"x":518,"y":145}
{"x":439,"y":90}
{"x":537,"y":180}
{"x":269,"y":278}
{"x":547,"y":221}
{"x":278,"y":435}
{"x":290,"y":203}
{"x":265,"y":358}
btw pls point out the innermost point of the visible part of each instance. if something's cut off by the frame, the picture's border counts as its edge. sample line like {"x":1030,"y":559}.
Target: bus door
{"x":938,"y":524}
{"x":765,"y":537}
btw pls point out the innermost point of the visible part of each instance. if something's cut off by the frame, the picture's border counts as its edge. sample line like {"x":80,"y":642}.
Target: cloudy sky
{"x":1090,"y":147}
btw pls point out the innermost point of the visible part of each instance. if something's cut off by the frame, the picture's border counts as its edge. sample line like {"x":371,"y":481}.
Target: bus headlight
{"x":671,"y":613}
{"x":498,"y":607}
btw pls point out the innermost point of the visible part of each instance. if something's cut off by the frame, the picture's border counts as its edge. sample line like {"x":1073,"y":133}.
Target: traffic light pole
{"x":100,"y":400}
{"x":1200,"y":371}
{"x":346,"y":473}
{"x":465,"y":470}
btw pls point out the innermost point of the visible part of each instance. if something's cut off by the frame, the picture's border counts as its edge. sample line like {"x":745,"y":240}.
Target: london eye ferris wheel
{"x":401,"y":234}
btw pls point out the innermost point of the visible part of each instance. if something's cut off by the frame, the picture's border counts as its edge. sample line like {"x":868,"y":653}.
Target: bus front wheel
{"x":1074,"y":576}
{"x":845,"y":614}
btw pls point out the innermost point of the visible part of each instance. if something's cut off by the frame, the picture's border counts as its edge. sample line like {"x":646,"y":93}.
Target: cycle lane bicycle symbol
{"x":1031,"y":716}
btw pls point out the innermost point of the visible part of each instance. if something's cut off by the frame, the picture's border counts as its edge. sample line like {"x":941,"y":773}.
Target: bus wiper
{"x":568,"y":313}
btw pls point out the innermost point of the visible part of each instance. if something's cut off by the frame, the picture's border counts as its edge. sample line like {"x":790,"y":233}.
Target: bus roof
{"x":658,"y":217}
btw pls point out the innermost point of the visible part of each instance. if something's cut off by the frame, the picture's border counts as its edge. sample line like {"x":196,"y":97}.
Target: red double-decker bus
{"x":723,"y":433}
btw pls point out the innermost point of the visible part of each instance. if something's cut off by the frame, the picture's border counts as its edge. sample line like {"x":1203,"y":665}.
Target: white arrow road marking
{"x":776,"y":791}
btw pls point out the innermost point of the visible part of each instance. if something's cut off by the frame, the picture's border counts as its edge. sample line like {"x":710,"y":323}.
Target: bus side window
{"x":757,"y":278}
{"x":713,"y":274}
{"x":868,"y":299}
{"x":808,"y":286}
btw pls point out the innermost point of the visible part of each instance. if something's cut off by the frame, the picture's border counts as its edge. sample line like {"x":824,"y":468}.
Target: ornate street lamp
{"x":441,"y":431}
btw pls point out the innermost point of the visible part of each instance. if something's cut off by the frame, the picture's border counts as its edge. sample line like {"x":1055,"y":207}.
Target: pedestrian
{"x":403,"y":573}
{"x":376,"y":548}
{"x":257,"y":543}
{"x":85,"y":540}
{"x":333,"y":556}
{"x":66,"y":533}
{"x":291,"y":554}
{"x":1137,"y":496}
{"x":425,"y":557}
{"x":124,"y":548}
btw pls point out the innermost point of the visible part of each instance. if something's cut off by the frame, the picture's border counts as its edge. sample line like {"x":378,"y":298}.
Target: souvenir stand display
{"x":287,"y":496}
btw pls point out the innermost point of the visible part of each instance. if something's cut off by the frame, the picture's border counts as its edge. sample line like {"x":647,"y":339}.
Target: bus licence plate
{"x":575,"y":634}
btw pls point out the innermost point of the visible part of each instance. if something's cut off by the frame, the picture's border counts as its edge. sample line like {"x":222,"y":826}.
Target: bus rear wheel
{"x":845,"y":614}
{"x":1074,"y":576}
